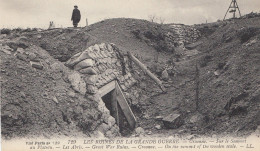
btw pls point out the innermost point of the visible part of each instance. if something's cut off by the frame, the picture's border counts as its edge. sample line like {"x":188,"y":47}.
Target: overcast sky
{"x":38,"y":13}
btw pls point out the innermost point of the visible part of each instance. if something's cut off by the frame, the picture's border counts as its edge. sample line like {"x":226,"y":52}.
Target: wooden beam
{"x":114,"y":104}
{"x":144,"y":68}
{"x":125,"y":107}
{"x":107,"y":88}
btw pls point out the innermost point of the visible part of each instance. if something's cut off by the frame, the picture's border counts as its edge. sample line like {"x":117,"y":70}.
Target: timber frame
{"x":117,"y":100}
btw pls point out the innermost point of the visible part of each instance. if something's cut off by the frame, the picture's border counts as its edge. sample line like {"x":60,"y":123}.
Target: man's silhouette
{"x":75,"y":16}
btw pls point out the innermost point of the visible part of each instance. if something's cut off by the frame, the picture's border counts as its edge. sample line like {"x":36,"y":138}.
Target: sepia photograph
{"x":130,"y":75}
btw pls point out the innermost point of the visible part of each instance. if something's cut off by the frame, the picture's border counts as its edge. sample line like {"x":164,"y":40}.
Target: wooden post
{"x":107,"y":88}
{"x":125,"y":107}
{"x":114,"y":105}
{"x":118,"y":101}
{"x":144,"y":68}
{"x":234,"y":6}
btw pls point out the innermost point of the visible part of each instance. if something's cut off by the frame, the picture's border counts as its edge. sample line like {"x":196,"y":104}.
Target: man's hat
{"x":76,"y":6}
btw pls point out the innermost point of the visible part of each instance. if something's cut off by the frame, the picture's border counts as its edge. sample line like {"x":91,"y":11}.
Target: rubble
{"x":23,"y":57}
{"x":103,"y":128}
{"x":158,"y":127}
{"x":71,"y":94}
{"x":55,"y":99}
{"x":158,"y":117}
{"x":111,"y":121}
{"x":173,"y":121}
{"x":32,"y":56}
{"x":197,"y":118}
{"x":97,"y":134}
{"x":139,"y":131}
{"x":216,"y":73}
{"x":184,"y":34}
{"x":149,"y":133}
{"x":39,"y":36}
{"x":165,"y":75}
{"x":2,"y":36}
{"x":6,"y":49}
{"x":36,"y":65}
{"x":77,"y":83}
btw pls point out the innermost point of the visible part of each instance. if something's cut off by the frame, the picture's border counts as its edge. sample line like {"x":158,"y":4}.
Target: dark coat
{"x":76,"y":16}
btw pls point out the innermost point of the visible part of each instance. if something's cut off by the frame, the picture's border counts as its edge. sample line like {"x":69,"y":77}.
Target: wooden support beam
{"x":144,"y":68}
{"x":125,"y":107}
{"x":114,"y":104}
{"x":118,"y":101}
{"x":107,"y":88}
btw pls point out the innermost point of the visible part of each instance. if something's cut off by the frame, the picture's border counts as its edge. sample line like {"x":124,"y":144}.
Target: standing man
{"x":75,"y":16}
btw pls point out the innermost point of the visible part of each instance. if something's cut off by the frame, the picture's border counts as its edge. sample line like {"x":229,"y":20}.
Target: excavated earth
{"x":210,"y":72}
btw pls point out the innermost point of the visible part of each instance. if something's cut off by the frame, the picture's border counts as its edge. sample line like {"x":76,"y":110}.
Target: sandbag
{"x":92,"y":89}
{"x":74,"y":60}
{"x":109,"y":48}
{"x":96,"y":48}
{"x":98,"y":54}
{"x":77,"y":83}
{"x":102,"y":46}
{"x":84,"y":64}
{"x":103,"y":53}
{"x":91,"y":80}
{"x":70,"y":62}
{"x":88,"y":70}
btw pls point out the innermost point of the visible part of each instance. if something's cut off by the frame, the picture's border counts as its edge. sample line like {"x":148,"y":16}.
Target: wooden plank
{"x":145,"y":69}
{"x":107,"y":88}
{"x":125,"y":107}
{"x":114,"y":104}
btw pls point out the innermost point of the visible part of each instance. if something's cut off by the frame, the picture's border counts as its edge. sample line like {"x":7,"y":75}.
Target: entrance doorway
{"x":113,"y":97}
{"x":107,"y":100}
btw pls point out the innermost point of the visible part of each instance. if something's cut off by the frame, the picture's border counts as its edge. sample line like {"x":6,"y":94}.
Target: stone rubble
{"x":158,"y":127}
{"x":36,"y":65}
{"x":185,"y":34}
{"x":6,"y":49}
{"x":173,"y":121}
{"x":165,"y":75}
{"x":139,"y":131}
{"x":77,"y":83}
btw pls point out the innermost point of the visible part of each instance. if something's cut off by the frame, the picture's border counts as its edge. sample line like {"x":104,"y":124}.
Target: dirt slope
{"x":228,"y":65}
{"x":37,"y":101}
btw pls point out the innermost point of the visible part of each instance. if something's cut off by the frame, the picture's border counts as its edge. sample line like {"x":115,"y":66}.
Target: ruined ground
{"x":225,"y":85}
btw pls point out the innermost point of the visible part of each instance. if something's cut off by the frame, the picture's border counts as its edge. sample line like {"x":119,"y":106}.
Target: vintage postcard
{"x":130,"y":75}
